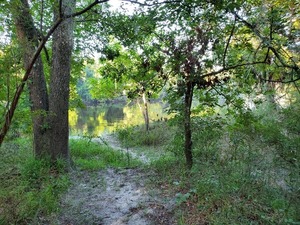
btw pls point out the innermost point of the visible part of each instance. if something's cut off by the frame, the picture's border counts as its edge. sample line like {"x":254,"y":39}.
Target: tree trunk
{"x":50,"y":139}
{"x":146,"y":112}
{"x":59,"y":82}
{"x":28,"y":38}
{"x":39,"y":108}
{"x":188,"y":97}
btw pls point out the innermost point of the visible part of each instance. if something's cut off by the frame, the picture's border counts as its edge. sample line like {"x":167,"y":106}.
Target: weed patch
{"x":29,"y":188}
{"x":93,"y":156}
{"x":158,"y":135}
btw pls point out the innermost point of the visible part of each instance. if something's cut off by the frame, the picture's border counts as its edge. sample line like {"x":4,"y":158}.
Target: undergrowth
{"x":29,"y":188}
{"x":246,"y":167}
{"x":89,"y":155}
{"x":150,"y":143}
{"x":158,"y":135}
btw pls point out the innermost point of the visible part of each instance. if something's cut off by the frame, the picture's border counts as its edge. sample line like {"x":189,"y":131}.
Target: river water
{"x":106,"y":118}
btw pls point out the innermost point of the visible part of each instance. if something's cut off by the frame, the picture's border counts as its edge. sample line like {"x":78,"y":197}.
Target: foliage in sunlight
{"x":216,"y":84}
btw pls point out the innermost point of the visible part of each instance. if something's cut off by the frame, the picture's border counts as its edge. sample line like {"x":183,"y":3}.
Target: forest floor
{"x":115,"y":196}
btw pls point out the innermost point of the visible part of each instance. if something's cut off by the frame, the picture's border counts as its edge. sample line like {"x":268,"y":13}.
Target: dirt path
{"x":114,"y":197}
{"x":113,"y":142}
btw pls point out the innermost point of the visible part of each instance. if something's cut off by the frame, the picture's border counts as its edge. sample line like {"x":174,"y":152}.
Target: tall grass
{"x":90,"y":155}
{"x":147,"y":143}
{"x":158,"y":135}
{"x":29,"y":188}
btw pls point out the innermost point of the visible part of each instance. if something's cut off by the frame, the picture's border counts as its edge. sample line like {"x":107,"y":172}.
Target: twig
{"x":153,"y":4}
{"x":225,"y":69}
{"x":103,"y":140}
{"x":228,"y":42}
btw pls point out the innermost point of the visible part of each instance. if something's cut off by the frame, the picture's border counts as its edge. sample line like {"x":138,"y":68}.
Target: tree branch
{"x":225,"y":69}
{"x":153,"y":4}
{"x":281,"y":81}
{"x":294,"y":67}
{"x":270,"y":46}
{"x":296,"y":86}
{"x":42,"y":17}
{"x":60,"y":9}
{"x":96,"y":2}
{"x":10,"y":113}
{"x":225,"y":96}
{"x":228,"y":42}
{"x":249,"y":25}
{"x":86,"y":20}
{"x":267,"y":55}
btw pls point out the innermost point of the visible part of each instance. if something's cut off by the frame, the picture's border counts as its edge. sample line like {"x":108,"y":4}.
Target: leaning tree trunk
{"x":188,"y":97}
{"x":26,"y":35}
{"x":59,"y":83}
{"x":28,"y":39}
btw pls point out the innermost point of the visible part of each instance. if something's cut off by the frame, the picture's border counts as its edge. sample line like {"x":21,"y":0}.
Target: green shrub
{"x":159,"y":134}
{"x":246,"y":171}
{"x":176,"y":144}
{"x":206,"y":135}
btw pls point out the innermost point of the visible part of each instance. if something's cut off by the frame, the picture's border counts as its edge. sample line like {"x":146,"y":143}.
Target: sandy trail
{"x":112,"y":141}
{"x":114,"y":197}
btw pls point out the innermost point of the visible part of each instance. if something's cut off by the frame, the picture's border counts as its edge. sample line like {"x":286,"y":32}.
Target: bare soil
{"x":114,"y":197}
{"x":112,"y":141}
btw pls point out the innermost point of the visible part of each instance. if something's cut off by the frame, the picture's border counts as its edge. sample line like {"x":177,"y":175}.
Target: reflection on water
{"x":107,"y":118}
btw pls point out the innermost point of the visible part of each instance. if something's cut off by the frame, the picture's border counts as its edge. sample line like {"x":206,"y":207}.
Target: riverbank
{"x":113,"y":195}
{"x":233,"y":180}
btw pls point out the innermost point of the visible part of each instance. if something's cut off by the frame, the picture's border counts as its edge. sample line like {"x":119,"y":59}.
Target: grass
{"x":29,"y":188}
{"x":150,"y":143}
{"x":246,"y":168}
{"x":225,"y":193}
{"x":89,"y":155}
{"x":157,"y":135}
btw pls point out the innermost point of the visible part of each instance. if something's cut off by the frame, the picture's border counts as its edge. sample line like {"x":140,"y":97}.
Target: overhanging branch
{"x":269,"y":39}
{"x":228,"y":42}
{"x":225,"y":69}
{"x":96,"y":2}
{"x":10,"y":113}
{"x":153,"y":4}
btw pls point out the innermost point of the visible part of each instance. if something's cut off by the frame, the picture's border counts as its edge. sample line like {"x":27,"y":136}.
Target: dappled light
{"x":135,"y":112}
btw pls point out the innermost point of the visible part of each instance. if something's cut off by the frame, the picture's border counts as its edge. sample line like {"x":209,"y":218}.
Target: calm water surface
{"x":109,"y":117}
